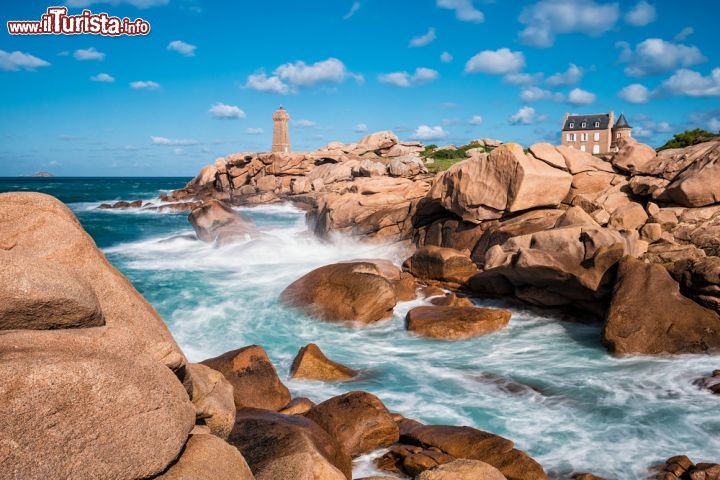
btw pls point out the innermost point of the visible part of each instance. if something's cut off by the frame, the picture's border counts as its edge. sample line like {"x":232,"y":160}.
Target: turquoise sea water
{"x":586,"y":411}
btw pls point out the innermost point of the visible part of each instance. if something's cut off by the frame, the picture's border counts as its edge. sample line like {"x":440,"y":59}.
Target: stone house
{"x":596,"y":133}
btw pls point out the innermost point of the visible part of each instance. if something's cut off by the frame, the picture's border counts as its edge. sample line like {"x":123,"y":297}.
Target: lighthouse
{"x":281,"y":136}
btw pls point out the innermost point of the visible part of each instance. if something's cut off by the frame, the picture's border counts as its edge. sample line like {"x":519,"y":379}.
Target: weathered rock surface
{"x":455,"y":323}
{"x":632,"y":155}
{"x":700,"y":280}
{"x":206,"y":457}
{"x":357,"y":420}
{"x":699,"y":184}
{"x":298,"y":406}
{"x":681,"y":467}
{"x":463,"y":470}
{"x":667,"y":323}
{"x":353,"y":291}
{"x":213,"y":398}
{"x":312,"y":364}
{"x":253,"y":377}
{"x":441,"y":264}
{"x":278,"y":446}
{"x":215,"y":221}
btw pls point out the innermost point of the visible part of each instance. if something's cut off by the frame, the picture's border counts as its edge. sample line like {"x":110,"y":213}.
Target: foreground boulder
{"x":357,"y":420}
{"x":206,"y":457}
{"x":472,"y":444}
{"x":213,"y":398}
{"x":455,"y":323}
{"x":440,"y":264}
{"x":354,"y":291}
{"x":253,"y":377}
{"x":312,"y":364}
{"x":411,"y":459}
{"x":215,"y":221}
{"x":681,"y":467}
{"x":278,"y":446}
{"x":649,"y":315}
{"x":463,"y":470}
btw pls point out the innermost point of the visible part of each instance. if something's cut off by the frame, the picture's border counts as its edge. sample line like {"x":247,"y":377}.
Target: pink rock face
{"x":698,"y":185}
{"x":633,"y":156}
{"x":215,"y":221}
{"x":379,"y":140}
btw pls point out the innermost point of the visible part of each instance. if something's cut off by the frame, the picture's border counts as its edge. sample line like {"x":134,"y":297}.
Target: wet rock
{"x":455,"y":323}
{"x":213,"y":398}
{"x":312,"y":364}
{"x":586,"y":476}
{"x":40,"y":295}
{"x":215,"y":221}
{"x":472,"y":444}
{"x":206,"y":457}
{"x":711,"y":383}
{"x":253,"y":377}
{"x":681,"y":467}
{"x":452,"y":300}
{"x":506,"y":384}
{"x":441,"y":264}
{"x":278,"y":446}
{"x":298,"y":406}
{"x":353,"y":291}
{"x":411,"y":460}
{"x":700,"y":280}
{"x":463,"y":470}
{"x":357,"y":420}
{"x":666,"y":322}
{"x":403,"y":282}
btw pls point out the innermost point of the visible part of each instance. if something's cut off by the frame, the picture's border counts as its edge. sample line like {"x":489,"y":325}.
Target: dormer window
{"x":597,"y":124}
{"x":572,"y":125}
{"x":584,"y":124}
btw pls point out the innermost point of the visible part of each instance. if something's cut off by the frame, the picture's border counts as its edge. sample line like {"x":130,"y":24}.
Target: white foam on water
{"x":584,"y":411}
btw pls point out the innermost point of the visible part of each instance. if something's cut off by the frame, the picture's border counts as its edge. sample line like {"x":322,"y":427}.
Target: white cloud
{"x":405,"y":79}
{"x":103,"y":77}
{"x":536,"y":94}
{"x":422,"y":40}
{"x":714,"y":124}
{"x":299,"y":73}
{"x":693,"y":84}
{"x":642,"y":14}
{"x":263,"y":83}
{"x":683,"y":34}
{"x":523,"y":78}
{"x":182,"y":48}
{"x":88,"y":54}
{"x":353,"y":10}
{"x":578,"y":96}
{"x":496,"y":62}
{"x":305,"y":124}
{"x":426,"y":132}
{"x":526,"y":116}
{"x":646,"y":127}
{"x":254,"y":131}
{"x":546,"y":19}
{"x":170,"y":141}
{"x":135,"y":3}
{"x":464,"y":10}
{"x":655,"y":55}
{"x":446,"y":57}
{"x":221,"y":110}
{"x":635,"y":93}
{"x":144,"y":85}
{"x":571,"y":76}
{"x":475,"y":120}
{"x":361,"y":127}
{"x":15,"y":61}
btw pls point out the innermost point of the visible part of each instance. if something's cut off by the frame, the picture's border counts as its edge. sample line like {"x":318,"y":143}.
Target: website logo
{"x":56,"y":21}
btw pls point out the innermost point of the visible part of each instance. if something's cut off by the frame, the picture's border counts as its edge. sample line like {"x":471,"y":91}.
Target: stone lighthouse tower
{"x":281,"y":136}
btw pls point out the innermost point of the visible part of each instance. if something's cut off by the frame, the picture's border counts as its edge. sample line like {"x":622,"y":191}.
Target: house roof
{"x":622,"y":122}
{"x":574,"y":122}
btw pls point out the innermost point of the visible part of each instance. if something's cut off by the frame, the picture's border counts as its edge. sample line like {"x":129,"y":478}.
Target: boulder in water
{"x":440,"y":264}
{"x":206,"y":457}
{"x":312,"y":364}
{"x":462,"y":470}
{"x":455,"y":323}
{"x":215,"y":221}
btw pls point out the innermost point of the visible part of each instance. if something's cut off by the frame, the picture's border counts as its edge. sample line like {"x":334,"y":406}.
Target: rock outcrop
{"x":206,"y":457}
{"x":455,"y":322}
{"x":463,"y":470}
{"x":215,"y":221}
{"x":440,"y":264}
{"x":213,"y":398}
{"x":681,"y":467}
{"x":312,"y":364}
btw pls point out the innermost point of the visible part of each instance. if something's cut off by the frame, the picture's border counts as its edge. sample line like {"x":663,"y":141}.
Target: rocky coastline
{"x":631,"y":240}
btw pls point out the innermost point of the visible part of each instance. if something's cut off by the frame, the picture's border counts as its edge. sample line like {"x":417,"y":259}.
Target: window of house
{"x":596,"y":148}
{"x":596,"y":137}
{"x":572,"y":125}
{"x":618,"y":135}
{"x":582,"y":148}
{"x":597,"y":124}
{"x":572,"y":137}
{"x":583,"y":137}
{"x":584,"y":124}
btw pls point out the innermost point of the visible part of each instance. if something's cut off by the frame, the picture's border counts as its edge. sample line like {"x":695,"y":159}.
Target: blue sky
{"x":206,"y":80}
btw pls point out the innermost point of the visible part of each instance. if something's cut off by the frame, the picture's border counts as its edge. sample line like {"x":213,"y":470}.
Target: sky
{"x":206,"y":80}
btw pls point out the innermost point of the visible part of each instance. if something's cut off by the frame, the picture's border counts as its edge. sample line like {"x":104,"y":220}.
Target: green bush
{"x":688,"y":138}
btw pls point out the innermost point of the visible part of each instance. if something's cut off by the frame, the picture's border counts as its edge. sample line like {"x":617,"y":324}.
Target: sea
{"x":545,"y":382}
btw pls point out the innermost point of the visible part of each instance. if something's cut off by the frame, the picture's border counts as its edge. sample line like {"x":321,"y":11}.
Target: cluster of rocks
{"x":172,"y":206}
{"x":682,"y":468}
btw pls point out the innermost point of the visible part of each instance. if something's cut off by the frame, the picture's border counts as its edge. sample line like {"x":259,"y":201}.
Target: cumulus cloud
{"x":289,"y":77}
{"x":475,"y":120}
{"x":222,"y":110}
{"x":523,"y":78}
{"x":546,"y":19}
{"x":714,"y":124}
{"x":526,"y":116}
{"x":642,"y":14}
{"x":171,"y":141}
{"x":578,"y":96}
{"x":571,"y":76}
{"x":646,"y":127}
{"x":134,"y":3}
{"x":693,"y":84}
{"x":305,"y":124}
{"x":464,"y":10}
{"x":496,"y":62}
{"x":446,"y":57}
{"x":144,"y":85}
{"x":426,"y":132}
{"x":15,"y":61}
{"x":353,"y":10}
{"x":424,"y":39}
{"x":635,"y":93}
{"x":254,"y":131}
{"x":536,"y":94}
{"x":361,"y":127}
{"x":182,"y":48}
{"x":683,"y":34}
{"x":655,"y":55}
{"x":88,"y":54}
{"x":405,"y":79}
{"x":103,"y":78}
